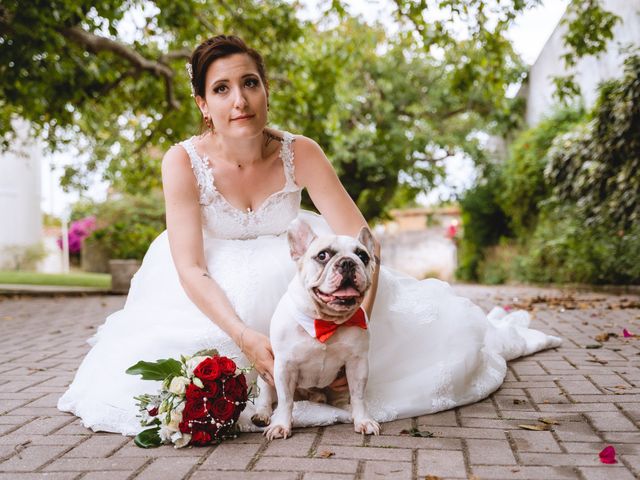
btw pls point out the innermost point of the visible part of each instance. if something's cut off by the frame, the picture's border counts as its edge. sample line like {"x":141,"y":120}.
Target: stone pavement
{"x":591,"y":393}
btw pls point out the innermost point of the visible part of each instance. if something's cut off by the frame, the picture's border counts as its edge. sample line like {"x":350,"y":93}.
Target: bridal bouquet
{"x":199,"y":402}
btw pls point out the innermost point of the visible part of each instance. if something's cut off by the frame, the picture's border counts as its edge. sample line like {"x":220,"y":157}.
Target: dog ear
{"x":365,"y":237}
{"x":300,"y":236}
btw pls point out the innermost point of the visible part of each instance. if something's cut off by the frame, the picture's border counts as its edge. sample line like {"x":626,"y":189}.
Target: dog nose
{"x":347,"y":266}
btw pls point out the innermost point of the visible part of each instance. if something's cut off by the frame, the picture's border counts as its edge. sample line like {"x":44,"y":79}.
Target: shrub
{"x":523,"y":172}
{"x":126,"y":226}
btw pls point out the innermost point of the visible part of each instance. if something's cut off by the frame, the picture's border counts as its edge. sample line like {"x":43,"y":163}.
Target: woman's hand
{"x":257,"y":348}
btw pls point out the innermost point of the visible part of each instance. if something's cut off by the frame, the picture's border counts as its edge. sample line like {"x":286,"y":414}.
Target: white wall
{"x":20,"y":177}
{"x":589,"y":71}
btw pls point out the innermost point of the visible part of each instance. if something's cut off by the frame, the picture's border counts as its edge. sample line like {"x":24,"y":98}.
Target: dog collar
{"x":322,"y":330}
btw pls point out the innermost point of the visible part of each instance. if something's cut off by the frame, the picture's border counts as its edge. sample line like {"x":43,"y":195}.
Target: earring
{"x":209,"y":123}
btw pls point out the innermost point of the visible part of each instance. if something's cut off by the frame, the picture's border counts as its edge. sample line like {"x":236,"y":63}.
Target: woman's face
{"x":235,"y":97}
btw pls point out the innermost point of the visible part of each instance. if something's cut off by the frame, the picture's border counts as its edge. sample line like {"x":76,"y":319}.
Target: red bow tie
{"x":325,"y":329}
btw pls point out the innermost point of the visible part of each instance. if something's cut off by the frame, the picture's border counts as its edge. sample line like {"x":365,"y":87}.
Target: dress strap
{"x":201,"y":170}
{"x":287,"y":159}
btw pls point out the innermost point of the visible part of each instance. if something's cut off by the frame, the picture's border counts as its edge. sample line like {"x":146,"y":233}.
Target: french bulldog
{"x":319,"y":327}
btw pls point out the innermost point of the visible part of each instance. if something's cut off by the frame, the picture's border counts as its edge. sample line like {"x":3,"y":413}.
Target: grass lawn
{"x":81,"y":279}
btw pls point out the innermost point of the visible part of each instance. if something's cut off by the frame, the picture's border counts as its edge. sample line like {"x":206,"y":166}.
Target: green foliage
{"x":596,"y":165}
{"x":564,"y":249}
{"x":149,"y":438}
{"x":94,"y":280}
{"x":579,"y":222}
{"x":21,"y":257}
{"x":158,"y":370}
{"x":524,"y":185}
{"x":126,"y":226}
{"x":485,"y":223}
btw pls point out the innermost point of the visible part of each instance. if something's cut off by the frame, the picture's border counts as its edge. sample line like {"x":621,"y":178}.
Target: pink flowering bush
{"x":78,"y":231}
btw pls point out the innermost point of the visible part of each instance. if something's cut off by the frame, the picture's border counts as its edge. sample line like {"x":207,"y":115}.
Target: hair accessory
{"x":190,"y":72}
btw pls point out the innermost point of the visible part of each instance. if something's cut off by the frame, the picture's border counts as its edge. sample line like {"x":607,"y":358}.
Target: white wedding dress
{"x":430,"y":349}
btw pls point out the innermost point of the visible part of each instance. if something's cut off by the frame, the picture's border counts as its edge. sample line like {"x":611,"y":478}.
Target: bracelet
{"x":241,"y":341}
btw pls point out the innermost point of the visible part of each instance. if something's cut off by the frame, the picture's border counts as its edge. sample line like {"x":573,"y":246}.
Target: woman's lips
{"x":243,"y":117}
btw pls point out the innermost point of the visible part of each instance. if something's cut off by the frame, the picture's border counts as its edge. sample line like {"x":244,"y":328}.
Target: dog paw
{"x":366,"y":426}
{"x":277,"y":431}
{"x":261,"y":420}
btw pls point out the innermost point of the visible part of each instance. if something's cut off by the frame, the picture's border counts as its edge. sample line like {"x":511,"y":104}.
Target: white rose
{"x":180,"y":439}
{"x":176,"y":418}
{"x":179,"y":385}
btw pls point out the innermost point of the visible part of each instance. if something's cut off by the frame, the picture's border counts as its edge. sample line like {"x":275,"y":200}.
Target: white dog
{"x":319,"y":328}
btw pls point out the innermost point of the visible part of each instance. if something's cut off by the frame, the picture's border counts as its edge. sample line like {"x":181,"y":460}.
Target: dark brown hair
{"x":217,"y":47}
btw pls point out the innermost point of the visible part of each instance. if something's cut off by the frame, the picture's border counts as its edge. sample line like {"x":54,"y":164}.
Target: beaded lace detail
{"x":220,"y":219}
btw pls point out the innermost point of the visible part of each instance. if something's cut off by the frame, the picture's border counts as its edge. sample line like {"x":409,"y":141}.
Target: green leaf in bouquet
{"x":158,"y":370}
{"x":207,"y":352}
{"x":149,"y":438}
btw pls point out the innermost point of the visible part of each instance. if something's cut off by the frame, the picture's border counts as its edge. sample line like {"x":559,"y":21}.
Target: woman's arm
{"x":314,"y":171}
{"x":184,"y":228}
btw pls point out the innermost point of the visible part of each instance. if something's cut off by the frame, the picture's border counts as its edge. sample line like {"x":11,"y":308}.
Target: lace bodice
{"x":220,"y":219}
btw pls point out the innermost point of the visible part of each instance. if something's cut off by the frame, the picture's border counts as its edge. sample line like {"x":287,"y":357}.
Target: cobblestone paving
{"x":592,"y":394}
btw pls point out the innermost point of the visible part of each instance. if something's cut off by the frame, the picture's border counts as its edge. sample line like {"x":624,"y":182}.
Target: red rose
{"x":200,"y":437}
{"x":207,"y":370}
{"x":212,"y":390}
{"x":235,"y":390}
{"x":153,"y":412}
{"x":222,"y":409}
{"x":194,"y":408}
{"x":184,"y":426}
{"x":227,"y":366}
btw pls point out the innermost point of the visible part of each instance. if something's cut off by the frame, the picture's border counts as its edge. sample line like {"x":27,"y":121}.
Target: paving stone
{"x":366,"y":453}
{"x":611,"y":422}
{"x":490,"y":452}
{"x":231,"y":457}
{"x":96,"y":464}
{"x":325,"y":465}
{"x":595,"y":404}
{"x":327,"y":476}
{"x":524,"y":473}
{"x":386,"y":470}
{"x":607,"y":472}
{"x":98,"y":446}
{"x":168,"y":468}
{"x":297,"y":446}
{"x":240,"y":475}
{"x":445,"y":463}
{"x":31,"y":458}
{"x":531,"y":441}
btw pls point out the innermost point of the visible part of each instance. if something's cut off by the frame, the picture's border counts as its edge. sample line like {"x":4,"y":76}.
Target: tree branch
{"x":95,"y":44}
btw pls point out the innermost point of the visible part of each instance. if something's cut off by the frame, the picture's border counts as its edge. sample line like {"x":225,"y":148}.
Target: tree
{"x":388,"y":111}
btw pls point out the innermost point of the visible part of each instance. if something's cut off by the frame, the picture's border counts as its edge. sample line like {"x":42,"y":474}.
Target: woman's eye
{"x":220,"y":89}
{"x":252,"y":82}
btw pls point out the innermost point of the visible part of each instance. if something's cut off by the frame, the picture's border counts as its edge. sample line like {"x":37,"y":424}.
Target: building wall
{"x":20,"y":195}
{"x":589,"y":71}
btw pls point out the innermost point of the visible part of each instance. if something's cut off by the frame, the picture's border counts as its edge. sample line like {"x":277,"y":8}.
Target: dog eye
{"x":362,"y":255}
{"x":323,"y":256}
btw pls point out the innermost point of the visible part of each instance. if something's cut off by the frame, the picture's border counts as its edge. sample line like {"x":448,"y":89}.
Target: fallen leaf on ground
{"x":517,"y":401}
{"x":608,"y":455}
{"x":604,"y":336}
{"x":549,"y":421}
{"x":432,"y":477}
{"x":537,"y":428}
{"x":627,"y":334}
{"x":414,"y":432}
{"x":592,"y":346}
{"x":597,"y":360}
{"x":326,"y":454}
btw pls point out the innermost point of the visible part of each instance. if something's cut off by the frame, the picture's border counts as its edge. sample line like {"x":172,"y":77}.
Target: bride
{"x":213,"y":279}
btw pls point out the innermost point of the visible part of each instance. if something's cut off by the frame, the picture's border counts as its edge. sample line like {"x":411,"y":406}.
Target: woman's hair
{"x":217,"y":47}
